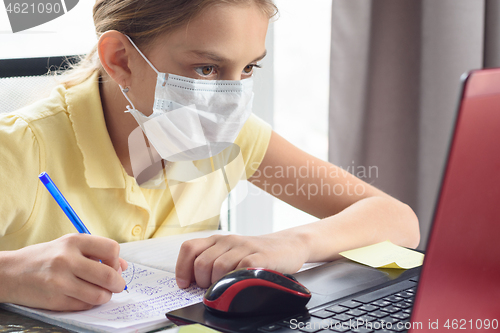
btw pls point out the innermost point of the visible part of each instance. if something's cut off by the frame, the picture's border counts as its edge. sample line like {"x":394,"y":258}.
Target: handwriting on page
{"x":152,"y":293}
{"x":156,"y":306}
{"x":135,"y":273}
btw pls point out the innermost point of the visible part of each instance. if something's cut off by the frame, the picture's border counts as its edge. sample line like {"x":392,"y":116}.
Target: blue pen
{"x":64,"y":204}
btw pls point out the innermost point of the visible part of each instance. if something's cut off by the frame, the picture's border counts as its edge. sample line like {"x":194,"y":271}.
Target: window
{"x":301,"y":81}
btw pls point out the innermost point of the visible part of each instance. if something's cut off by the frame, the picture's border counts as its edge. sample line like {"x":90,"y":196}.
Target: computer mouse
{"x":256,"y":291}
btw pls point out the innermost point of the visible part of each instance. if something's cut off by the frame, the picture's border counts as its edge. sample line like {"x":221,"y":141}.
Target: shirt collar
{"x":103,"y":169}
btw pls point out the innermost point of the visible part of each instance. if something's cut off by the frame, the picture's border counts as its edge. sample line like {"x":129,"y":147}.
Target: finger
{"x":98,"y":274}
{"x":73,"y":304}
{"x":256,"y":260}
{"x":105,"y":249}
{"x":123,"y":264}
{"x":67,"y":303}
{"x":227,"y":262}
{"x":203,"y":264}
{"x":87,"y":292}
{"x":184,"y":269}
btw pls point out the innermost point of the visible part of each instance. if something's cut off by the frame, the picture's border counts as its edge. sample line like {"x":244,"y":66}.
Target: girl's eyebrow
{"x":218,"y":58}
{"x":261,"y":57}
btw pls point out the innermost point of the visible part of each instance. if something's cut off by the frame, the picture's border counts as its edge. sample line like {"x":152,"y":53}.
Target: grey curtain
{"x":395,"y":83}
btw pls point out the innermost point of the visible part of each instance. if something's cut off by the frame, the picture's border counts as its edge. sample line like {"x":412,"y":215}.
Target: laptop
{"x":459,"y":282}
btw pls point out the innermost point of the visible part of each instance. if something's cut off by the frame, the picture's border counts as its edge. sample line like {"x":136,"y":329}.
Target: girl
{"x":178,"y":49}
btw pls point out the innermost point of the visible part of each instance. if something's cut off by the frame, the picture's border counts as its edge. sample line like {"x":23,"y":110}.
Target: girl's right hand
{"x":63,"y":274}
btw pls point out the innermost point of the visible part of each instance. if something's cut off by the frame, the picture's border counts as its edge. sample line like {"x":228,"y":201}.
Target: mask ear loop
{"x":125,"y":90}
{"x":147,"y":60}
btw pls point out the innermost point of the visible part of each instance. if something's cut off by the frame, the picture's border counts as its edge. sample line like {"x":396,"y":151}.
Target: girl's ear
{"x":115,"y":54}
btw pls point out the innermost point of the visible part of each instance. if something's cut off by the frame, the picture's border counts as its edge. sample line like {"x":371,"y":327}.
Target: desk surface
{"x":12,"y":322}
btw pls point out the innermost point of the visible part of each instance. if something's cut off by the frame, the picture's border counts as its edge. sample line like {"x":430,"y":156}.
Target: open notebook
{"x":153,"y":291}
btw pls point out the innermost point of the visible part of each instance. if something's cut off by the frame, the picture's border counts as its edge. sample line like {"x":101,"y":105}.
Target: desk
{"x":12,"y":322}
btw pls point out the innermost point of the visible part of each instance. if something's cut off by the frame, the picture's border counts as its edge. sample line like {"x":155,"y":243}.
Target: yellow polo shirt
{"x":66,"y":136}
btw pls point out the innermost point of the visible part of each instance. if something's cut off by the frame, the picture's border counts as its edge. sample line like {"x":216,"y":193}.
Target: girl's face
{"x":225,"y":42}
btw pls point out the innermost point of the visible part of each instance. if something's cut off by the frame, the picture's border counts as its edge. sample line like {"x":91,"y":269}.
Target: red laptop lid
{"x":460,"y":279}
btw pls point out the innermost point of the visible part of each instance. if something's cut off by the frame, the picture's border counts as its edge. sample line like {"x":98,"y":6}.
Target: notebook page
{"x":152,"y":293}
{"x":161,"y":253}
{"x":88,"y":328}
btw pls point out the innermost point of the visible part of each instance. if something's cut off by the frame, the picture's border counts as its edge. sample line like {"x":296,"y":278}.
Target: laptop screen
{"x":459,"y":281}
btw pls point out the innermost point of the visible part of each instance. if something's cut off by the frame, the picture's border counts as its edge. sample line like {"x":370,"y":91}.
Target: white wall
{"x":70,"y":34}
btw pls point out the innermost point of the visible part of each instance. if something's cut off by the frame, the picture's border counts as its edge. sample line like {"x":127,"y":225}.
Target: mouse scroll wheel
{"x":290,"y":276}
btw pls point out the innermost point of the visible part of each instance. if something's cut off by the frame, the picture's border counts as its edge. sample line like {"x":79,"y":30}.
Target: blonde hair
{"x":143,"y":21}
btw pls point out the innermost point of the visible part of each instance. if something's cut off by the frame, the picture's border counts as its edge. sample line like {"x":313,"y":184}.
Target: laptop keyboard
{"x":384,"y":310}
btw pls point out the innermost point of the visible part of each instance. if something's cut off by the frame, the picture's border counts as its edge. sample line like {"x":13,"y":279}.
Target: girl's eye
{"x":248,"y":69}
{"x":205,"y":70}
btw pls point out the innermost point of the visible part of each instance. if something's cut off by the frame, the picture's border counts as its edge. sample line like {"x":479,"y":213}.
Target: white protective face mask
{"x":193,"y":119}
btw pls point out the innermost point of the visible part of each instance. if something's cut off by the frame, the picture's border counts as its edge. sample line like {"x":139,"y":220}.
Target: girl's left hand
{"x":206,"y":260}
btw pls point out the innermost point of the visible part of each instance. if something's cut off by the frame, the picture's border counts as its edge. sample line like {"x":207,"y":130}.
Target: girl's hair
{"x":143,"y":21}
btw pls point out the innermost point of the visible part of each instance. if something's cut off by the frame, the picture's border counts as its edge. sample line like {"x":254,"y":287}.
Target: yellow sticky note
{"x":385,"y":255}
{"x":194,"y":328}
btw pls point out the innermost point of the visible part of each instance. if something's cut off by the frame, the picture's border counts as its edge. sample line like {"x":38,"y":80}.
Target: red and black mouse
{"x":256,"y":291}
